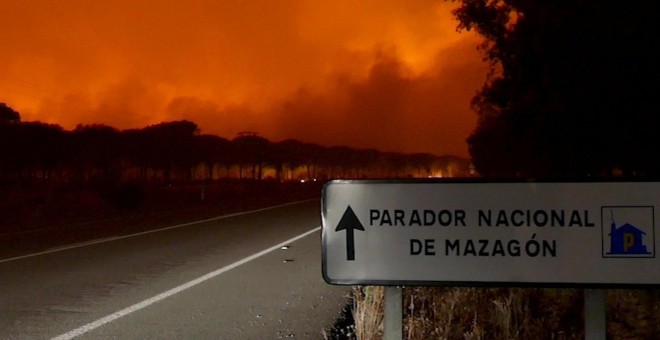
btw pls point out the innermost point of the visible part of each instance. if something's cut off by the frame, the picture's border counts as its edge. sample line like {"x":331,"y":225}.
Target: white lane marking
{"x":110,"y":239}
{"x":143,"y":304}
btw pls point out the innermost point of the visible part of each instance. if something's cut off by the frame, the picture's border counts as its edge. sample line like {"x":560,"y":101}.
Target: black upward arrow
{"x":350,"y":223}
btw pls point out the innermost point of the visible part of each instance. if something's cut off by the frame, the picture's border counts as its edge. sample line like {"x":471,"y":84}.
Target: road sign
{"x":588,"y":234}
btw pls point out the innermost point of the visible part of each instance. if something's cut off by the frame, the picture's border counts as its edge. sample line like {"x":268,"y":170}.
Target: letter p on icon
{"x":628,"y":241}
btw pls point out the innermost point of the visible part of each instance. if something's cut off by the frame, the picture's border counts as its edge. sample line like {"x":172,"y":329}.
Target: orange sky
{"x":387,"y":74}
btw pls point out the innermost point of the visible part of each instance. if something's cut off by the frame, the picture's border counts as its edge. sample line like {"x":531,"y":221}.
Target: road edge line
{"x":164,"y":295}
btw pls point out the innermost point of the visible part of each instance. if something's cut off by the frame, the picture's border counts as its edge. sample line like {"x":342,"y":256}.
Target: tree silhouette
{"x":252,"y":150}
{"x":340,"y":160}
{"x":289,"y":153}
{"x":572,"y":91}
{"x":396,"y":164}
{"x":134,"y":148}
{"x":422,"y":162}
{"x":171,"y":146}
{"x":101,"y":157}
{"x":96,"y":153}
{"x":312,"y":157}
{"x":214,"y":150}
{"x":30,"y":150}
{"x":366,"y":162}
{"x":8,"y":115}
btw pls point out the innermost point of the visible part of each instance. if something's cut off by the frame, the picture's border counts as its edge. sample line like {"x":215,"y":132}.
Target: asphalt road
{"x":223,"y":278}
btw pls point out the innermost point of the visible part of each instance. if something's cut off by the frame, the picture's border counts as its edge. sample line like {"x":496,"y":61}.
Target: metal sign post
{"x":595,"y":323}
{"x":393,"y":314}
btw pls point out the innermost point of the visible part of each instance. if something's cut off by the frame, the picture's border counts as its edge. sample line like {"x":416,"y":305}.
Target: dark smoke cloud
{"x":385,"y":74}
{"x":392,"y":108}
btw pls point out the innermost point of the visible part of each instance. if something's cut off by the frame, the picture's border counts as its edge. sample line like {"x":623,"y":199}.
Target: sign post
{"x":595,"y":325}
{"x":525,"y":234}
{"x":393,"y":314}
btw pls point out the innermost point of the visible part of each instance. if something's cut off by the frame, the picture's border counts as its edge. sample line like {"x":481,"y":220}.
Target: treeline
{"x":33,"y":152}
{"x":573,"y":92}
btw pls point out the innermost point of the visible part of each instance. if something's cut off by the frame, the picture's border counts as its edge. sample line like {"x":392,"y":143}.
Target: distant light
{"x":314,"y":179}
{"x":302,"y":181}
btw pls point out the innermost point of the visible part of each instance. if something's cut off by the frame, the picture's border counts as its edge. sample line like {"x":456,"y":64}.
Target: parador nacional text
{"x":482,"y":217}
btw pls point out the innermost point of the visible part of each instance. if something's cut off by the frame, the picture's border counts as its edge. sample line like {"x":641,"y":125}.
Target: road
{"x":254,"y":275}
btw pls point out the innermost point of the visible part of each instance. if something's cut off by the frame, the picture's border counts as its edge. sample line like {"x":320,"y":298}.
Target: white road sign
{"x":483,"y":233}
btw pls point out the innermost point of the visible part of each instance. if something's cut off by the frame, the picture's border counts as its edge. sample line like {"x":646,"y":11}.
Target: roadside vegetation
{"x":499,"y":314}
{"x":102,"y":157}
{"x":50,"y":176}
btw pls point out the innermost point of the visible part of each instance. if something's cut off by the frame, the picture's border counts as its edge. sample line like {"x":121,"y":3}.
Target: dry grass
{"x":368,"y":312}
{"x":506,"y":313}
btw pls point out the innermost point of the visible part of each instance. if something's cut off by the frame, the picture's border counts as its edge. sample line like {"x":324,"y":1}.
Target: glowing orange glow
{"x":387,"y":74}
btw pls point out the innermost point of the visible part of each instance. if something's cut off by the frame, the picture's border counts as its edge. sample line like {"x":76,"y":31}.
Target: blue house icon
{"x":627,"y":240}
